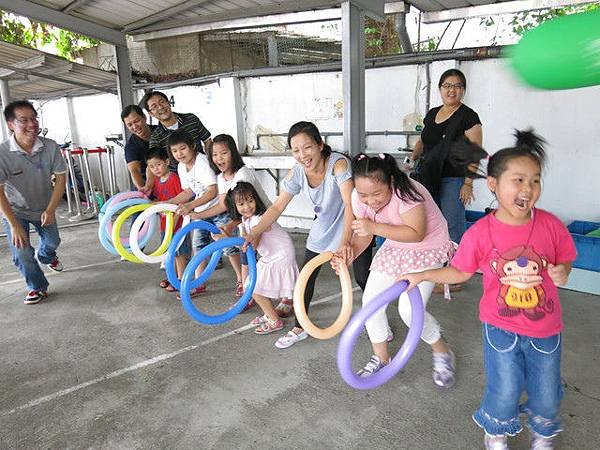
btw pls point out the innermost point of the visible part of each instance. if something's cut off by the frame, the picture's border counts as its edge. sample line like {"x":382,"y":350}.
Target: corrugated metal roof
{"x":33,"y":74}
{"x":137,"y":16}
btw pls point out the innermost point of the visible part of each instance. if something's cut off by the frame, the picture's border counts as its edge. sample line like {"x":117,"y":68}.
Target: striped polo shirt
{"x":187,"y":122}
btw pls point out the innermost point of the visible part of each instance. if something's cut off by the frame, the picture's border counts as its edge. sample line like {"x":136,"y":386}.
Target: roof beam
{"x":74,"y":5}
{"x":496,"y":8}
{"x":62,"y":20}
{"x":157,"y":17}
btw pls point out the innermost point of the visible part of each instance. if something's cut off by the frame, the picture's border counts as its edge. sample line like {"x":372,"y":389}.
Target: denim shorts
{"x":185,"y":249}
{"x":202,"y":237}
{"x":515,"y":364}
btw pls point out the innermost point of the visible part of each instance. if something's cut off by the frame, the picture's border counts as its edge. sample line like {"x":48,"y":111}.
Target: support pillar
{"x":353,"y":76}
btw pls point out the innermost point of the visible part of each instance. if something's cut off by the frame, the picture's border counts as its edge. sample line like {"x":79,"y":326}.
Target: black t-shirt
{"x":136,"y":149}
{"x":434,"y":132}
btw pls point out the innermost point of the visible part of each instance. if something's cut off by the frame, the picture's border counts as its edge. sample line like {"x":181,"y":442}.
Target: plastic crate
{"x":473,"y":216}
{"x":588,"y":247}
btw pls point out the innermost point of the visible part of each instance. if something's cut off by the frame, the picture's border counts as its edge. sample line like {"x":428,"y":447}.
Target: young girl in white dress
{"x":276,"y":269}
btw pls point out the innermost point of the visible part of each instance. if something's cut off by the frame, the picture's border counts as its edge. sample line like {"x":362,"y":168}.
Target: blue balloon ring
{"x":187,"y":280}
{"x":355,"y":327}
{"x":172,"y":252}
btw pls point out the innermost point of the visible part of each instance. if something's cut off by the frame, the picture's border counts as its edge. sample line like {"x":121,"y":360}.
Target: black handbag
{"x":428,"y":170}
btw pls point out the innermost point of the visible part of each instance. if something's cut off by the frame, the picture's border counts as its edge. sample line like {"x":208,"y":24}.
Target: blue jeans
{"x":24,"y":258}
{"x":515,"y":363}
{"x":448,"y":199}
{"x":202,"y":237}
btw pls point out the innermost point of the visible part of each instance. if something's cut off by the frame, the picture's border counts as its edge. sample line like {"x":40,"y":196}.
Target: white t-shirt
{"x":198,"y":179}
{"x":243,"y":174}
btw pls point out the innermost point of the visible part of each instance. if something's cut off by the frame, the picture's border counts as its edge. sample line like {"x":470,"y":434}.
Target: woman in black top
{"x":455,"y":190}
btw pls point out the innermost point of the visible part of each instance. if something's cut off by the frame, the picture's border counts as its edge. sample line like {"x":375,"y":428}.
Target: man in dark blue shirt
{"x":137,"y":147}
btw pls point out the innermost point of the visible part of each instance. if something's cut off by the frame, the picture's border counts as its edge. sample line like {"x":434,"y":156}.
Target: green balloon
{"x":563,"y":53}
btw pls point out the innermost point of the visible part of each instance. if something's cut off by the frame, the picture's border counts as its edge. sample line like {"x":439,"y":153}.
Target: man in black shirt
{"x":158,"y":106}
{"x":137,"y":147}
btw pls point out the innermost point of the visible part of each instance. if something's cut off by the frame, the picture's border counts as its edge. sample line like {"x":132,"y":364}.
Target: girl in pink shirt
{"x":387,"y":203}
{"x":523,"y":253}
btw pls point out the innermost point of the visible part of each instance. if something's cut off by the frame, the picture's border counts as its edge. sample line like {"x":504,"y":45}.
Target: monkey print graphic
{"x":520,"y":273}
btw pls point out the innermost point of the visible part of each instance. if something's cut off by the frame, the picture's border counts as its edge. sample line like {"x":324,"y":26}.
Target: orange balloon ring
{"x":300,"y":310}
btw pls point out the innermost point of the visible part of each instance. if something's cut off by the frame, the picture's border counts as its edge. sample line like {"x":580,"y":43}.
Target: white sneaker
{"x":290,"y":339}
{"x":495,"y":442}
{"x":55,"y":265}
{"x":373,"y":366}
{"x":539,"y":442}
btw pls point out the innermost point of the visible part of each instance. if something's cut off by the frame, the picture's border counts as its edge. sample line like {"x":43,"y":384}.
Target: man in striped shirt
{"x":158,"y":106}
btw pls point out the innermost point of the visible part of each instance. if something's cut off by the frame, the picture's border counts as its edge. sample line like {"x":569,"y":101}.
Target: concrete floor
{"x":110,"y":360}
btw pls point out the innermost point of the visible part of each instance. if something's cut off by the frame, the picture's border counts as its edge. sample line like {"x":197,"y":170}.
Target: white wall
{"x":567,"y":119}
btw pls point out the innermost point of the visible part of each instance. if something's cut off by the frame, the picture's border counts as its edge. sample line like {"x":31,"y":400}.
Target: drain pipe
{"x":402,"y":32}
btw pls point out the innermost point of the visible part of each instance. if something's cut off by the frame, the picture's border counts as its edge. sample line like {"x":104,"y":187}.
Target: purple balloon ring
{"x":355,"y":327}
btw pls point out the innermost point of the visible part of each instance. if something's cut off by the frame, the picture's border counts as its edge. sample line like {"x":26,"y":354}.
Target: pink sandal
{"x":195,"y":292}
{"x":285,"y":308}
{"x":269,"y":326}
{"x":258,"y":320}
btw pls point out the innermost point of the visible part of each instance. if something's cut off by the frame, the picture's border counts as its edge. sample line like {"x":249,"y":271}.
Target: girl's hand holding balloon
{"x":413,"y":279}
{"x":345,"y":252}
{"x":363,"y":227}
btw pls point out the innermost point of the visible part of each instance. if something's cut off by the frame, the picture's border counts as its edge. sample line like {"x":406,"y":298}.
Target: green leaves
{"x":28,"y":33}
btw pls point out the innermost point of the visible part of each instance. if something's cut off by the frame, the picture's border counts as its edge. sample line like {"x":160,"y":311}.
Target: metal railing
{"x":327,"y":134}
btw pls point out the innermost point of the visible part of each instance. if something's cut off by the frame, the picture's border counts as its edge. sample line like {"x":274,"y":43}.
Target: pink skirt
{"x":396,"y":261}
{"x":276,"y":279}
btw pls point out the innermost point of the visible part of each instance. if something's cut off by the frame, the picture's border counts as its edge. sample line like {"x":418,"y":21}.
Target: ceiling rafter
{"x":74,"y":5}
{"x":157,"y":17}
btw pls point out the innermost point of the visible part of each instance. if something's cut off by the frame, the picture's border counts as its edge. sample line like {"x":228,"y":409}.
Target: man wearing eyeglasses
{"x":157,"y":104}
{"x":137,"y":147}
{"x":27,"y":197}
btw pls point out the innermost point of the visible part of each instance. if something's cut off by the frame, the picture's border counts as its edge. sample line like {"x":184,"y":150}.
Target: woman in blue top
{"x":324,"y":178}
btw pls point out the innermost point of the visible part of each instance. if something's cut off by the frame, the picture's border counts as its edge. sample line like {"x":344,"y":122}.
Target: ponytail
{"x":528,"y":144}
{"x":465,"y":153}
{"x":384,"y":168}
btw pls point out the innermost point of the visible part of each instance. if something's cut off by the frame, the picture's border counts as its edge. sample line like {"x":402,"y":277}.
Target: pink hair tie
{"x":361,"y":157}
{"x":381,"y":156}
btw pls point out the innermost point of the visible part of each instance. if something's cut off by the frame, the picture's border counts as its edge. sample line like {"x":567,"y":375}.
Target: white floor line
{"x":141,"y":365}
{"x":67,"y":270}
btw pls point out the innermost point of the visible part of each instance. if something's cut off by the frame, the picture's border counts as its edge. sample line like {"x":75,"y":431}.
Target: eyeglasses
{"x":456,"y":86}
{"x":158,"y":104}
{"x":26,"y":120}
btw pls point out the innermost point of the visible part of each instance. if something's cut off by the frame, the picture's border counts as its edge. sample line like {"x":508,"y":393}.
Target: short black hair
{"x":453,"y":73}
{"x":151,"y":94}
{"x":132,"y":109}
{"x":236,"y":159}
{"x":9,"y":111}
{"x":182,"y":137}
{"x":158,"y":153}
{"x":243,"y":189}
